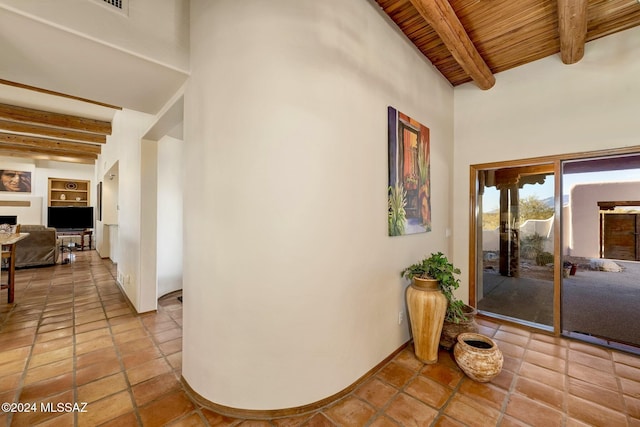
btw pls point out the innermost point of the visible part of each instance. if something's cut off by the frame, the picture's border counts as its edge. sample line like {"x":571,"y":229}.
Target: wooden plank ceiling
{"x":467,"y":40}
{"x":38,"y":134}
{"x":470,"y":40}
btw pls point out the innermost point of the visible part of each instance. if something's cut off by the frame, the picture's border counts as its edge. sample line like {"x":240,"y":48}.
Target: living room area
{"x":76,"y":165}
{"x":30,"y":208}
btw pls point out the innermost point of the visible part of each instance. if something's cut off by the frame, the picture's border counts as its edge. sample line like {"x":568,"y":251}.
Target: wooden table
{"x":8,"y":242}
{"x":81,"y":232}
{"x":62,"y":233}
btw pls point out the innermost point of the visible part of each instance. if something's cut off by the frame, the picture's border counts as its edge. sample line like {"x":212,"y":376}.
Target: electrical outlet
{"x":400,"y":317}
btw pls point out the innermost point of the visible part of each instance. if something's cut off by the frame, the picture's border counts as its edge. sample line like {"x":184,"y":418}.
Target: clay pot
{"x":427,"y":306}
{"x":478,"y":356}
{"x":451,"y":330}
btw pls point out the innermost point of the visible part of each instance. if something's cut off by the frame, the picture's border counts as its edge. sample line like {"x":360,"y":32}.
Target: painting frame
{"x":15,"y":180}
{"x":99,"y":201}
{"x":409,"y":183}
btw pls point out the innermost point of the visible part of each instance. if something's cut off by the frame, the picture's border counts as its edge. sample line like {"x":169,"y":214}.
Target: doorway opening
{"x":620,"y":230}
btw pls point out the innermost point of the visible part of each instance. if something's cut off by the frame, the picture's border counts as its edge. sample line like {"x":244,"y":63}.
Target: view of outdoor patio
{"x":516,"y":280}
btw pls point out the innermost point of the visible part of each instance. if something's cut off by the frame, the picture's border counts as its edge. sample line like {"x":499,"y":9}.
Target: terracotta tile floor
{"x":72,"y":338}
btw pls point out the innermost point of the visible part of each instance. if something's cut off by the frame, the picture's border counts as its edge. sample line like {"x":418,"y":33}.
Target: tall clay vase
{"x":427,"y":306}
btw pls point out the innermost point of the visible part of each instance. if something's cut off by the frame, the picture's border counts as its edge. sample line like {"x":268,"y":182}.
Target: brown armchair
{"x":39,"y":248}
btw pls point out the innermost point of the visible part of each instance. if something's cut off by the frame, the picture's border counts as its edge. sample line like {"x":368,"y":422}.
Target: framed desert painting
{"x":409,"y":188}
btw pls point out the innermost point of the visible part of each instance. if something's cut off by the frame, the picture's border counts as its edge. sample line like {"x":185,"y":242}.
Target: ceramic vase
{"x":478,"y":356}
{"x":451,"y":330}
{"x":427,"y":306}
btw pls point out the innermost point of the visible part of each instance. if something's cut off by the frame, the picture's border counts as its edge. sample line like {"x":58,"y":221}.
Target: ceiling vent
{"x":121,"y":6}
{"x":114,"y":3}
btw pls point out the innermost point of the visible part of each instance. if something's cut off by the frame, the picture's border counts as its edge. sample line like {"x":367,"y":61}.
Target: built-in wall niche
{"x":68,"y":192}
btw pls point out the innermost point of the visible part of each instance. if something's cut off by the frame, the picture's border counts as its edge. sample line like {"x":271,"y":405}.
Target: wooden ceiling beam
{"x":22,"y":141}
{"x":66,"y":121}
{"x":47,"y":131}
{"x":46,"y":156}
{"x":572,"y":27}
{"x":442,"y":18}
{"x":43,"y":153}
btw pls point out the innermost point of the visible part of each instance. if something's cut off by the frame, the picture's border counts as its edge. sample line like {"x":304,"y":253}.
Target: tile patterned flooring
{"x":73,"y":338}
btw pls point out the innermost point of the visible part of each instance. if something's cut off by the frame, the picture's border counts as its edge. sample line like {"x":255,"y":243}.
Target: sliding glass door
{"x":602,"y":228}
{"x":555,"y":245}
{"x":515,"y":234}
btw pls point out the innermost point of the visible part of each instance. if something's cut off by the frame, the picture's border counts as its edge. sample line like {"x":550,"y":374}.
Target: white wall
{"x":291,"y":285}
{"x":107,"y":225}
{"x":545,"y":108}
{"x":152,"y":29}
{"x":124,"y":147}
{"x":585,"y":217}
{"x":147,"y":286}
{"x":110,"y":187}
{"x":170,"y":187}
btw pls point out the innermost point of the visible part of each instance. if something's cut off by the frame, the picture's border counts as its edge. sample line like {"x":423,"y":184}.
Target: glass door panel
{"x":601,"y":223}
{"x":515,"y":227}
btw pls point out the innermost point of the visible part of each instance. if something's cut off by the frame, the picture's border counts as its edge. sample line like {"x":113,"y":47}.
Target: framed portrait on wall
{"x":15,"y":181}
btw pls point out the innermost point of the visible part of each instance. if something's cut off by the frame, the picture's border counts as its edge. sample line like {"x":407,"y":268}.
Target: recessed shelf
{"x":71,"y":189}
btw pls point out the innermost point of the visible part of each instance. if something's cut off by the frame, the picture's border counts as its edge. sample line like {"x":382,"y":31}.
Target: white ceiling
{"x":42,"y":101}
{"x":38,"y":54}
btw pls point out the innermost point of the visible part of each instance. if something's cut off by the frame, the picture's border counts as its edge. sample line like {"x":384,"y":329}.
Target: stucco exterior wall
{"x":585,"y":218}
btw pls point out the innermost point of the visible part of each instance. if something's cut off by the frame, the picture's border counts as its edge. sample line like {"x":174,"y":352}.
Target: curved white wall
{"x":546,"y":108}
{"x":291,"y":284}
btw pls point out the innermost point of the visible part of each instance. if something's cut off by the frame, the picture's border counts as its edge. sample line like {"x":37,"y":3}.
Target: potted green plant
{"x":430,"y":301}
{"x":438,"y":267}
{"x":451,"y":329}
